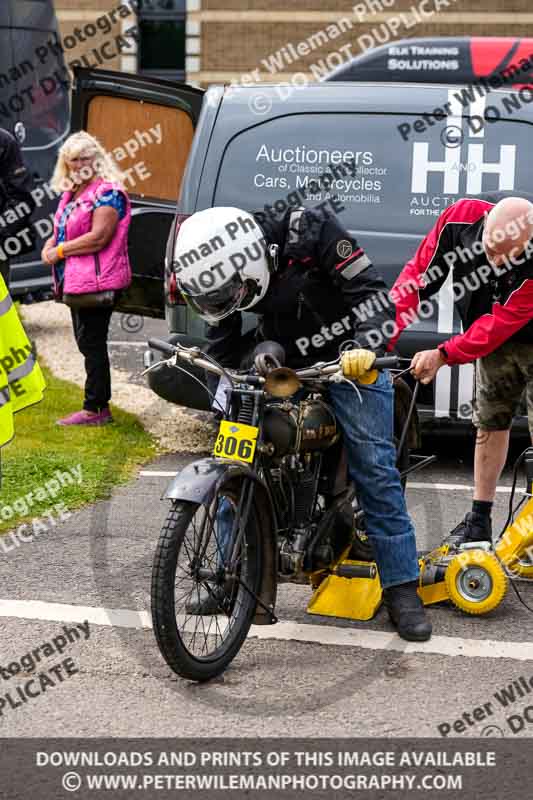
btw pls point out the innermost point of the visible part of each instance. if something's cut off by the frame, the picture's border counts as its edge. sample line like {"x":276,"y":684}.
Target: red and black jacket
{"x":493,"y":307}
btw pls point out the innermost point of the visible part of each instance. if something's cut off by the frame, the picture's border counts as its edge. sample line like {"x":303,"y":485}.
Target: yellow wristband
{"x":61,"y":251}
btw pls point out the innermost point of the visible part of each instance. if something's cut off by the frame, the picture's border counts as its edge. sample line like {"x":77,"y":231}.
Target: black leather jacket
{"x":316,"y":298}
{"x":16,"y":185}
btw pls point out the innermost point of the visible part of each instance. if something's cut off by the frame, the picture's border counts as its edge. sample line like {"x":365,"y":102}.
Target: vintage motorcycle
{"x":273,"y":503}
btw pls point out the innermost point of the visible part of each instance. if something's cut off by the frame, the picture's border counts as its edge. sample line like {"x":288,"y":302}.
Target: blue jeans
{"x":224,"y":518}
{"x":368,"y":430}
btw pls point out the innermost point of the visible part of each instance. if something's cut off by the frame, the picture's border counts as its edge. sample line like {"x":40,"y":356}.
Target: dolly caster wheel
{"x":523,"y":568}
{"x":476,"y":582}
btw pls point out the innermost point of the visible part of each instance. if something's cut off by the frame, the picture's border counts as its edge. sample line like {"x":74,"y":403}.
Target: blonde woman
{"x":89,"y":257}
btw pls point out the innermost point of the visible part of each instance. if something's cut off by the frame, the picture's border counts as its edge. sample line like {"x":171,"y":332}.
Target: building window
{"x":162,"y":38}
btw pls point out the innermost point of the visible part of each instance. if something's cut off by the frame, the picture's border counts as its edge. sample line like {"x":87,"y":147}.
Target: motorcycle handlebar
{"x":384,"y":362}
{"x":163,"y":347}
{"x":191,"y":355}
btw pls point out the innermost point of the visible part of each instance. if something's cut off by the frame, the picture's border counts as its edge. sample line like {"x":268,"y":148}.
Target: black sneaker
{"x":473,"y":528}
{"x":214,"y":601}
{"x":406,"y":612}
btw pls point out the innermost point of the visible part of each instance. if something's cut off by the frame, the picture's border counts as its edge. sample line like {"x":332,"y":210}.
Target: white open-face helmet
{"x":220,"y":262}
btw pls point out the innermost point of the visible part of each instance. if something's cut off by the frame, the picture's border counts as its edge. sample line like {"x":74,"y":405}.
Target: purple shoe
{"x":87,"y":418}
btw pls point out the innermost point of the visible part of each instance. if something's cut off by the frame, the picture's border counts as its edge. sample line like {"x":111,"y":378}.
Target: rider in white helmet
{"x":313,"y":288}
{"x":221,"y":262}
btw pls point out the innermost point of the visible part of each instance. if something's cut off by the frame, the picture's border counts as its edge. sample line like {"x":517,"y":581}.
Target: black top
{"x":324,"y":293}
{"x":16,"y":185}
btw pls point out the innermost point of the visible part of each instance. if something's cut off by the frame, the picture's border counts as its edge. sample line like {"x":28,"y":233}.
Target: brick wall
{"x":460,"y":6}
{"x":252,"y":43}
{"x":223,"y":44}
{"x":232,"y":43}
{"x":101,"y":50}
{"x":84,"y":5}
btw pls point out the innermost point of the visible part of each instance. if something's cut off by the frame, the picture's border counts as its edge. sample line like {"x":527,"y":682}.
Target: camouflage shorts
{"x":500,"y":381}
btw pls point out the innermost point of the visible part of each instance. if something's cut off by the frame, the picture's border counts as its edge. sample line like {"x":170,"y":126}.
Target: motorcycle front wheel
{"x":202,"y":612}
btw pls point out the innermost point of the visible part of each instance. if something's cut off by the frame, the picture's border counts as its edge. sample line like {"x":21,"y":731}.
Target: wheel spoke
{"x":206,"y":545}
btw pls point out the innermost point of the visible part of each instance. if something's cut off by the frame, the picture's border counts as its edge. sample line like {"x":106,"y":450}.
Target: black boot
{"x":473,"y":528}
{"x":407,"y":612}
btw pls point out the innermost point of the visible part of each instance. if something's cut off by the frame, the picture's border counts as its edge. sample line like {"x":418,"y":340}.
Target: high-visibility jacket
{"x":21,"y":380}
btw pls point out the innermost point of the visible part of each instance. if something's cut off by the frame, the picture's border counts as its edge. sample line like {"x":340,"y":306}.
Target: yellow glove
{"x":358,"y":364}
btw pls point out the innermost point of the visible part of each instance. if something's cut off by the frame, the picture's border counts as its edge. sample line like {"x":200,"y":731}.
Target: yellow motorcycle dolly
{"x":351,"y":591}
{"x":515,"y":547}
{"x":473,"y":580}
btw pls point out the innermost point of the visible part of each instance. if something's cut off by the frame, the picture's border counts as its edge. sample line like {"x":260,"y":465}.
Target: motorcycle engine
{"x":294,"y":484}
{"x":299,"y":428}
{"x":297,"y":433}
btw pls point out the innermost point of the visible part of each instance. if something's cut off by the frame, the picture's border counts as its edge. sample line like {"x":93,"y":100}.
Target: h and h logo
{"x":456,"y":144}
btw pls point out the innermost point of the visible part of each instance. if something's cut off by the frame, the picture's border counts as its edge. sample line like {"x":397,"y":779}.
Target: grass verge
{"x":108,"y":455}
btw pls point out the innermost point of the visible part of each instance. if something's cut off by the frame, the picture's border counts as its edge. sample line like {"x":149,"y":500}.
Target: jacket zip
{"x":302,"y":300}
{"x":97,"y":264}
{"x":299,"y":309}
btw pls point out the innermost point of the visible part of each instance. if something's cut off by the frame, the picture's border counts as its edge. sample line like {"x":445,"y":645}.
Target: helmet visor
{"x":214,"y":306}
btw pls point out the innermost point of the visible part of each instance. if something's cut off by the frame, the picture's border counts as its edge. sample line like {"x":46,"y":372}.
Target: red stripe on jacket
{"x":358,"y":252}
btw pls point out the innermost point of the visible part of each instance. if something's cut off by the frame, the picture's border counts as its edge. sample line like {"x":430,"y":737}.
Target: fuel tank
{"x":299,"y":428}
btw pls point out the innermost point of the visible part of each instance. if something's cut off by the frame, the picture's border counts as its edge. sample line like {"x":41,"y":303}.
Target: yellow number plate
{"x":235,"y":441}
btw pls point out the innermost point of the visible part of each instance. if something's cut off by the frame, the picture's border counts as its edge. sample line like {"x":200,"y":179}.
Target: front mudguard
{"x":199,"y":482}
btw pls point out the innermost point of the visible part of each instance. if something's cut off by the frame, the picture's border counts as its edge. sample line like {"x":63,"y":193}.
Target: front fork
{"x":244,"y":406}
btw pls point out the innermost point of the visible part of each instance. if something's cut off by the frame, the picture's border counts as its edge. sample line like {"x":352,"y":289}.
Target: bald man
{"x":488,"y":246}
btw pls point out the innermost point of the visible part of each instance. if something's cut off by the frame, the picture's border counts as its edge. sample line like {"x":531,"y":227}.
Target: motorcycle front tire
{"x":166,"y":629}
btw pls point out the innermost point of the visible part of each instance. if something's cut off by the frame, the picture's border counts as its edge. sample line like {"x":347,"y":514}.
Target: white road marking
{"x":454,"y":487}
{"x":128,"y":344}
{"x":450,"y":487}
{"x":380,"y":640}
{"x":147,"y":473}
{"x":62,"y":612}
{"x":285,"y":631}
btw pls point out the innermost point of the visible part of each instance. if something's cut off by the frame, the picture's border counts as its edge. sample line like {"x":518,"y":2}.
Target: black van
{"x":258,"y":146}
{"x":34,"y":106}
{"x":444,"y":59}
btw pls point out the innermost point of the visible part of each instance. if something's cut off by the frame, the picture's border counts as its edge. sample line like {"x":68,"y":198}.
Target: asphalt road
{"x":307,"y":676}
